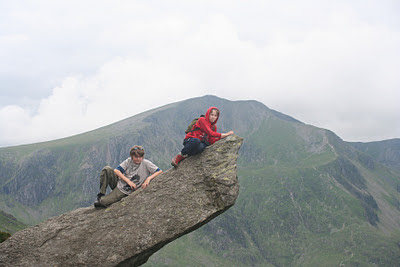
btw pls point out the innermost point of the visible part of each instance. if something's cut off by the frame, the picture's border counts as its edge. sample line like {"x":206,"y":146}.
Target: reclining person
{"x":132,"y":173}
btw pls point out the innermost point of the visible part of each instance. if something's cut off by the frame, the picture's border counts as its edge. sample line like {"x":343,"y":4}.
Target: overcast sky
{"x":67,"y":67}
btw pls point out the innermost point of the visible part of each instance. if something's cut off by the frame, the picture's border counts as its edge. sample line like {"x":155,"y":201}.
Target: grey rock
{"x":128,"y":232}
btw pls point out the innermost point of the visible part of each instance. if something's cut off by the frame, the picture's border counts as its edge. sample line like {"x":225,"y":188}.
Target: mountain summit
{"x":307,"y":198}
{"x":128,"y":232}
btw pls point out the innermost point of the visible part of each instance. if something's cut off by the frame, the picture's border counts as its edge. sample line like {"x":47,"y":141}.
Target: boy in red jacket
{"x":203,"y":133}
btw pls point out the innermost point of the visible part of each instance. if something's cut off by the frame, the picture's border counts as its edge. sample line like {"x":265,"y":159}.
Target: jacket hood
{"x":208,"y":114}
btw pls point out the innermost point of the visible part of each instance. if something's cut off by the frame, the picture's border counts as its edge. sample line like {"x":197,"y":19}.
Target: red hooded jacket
{"x":205,"y":131}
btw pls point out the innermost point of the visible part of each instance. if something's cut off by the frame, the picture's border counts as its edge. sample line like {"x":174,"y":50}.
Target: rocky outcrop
{"x":130,"y":231}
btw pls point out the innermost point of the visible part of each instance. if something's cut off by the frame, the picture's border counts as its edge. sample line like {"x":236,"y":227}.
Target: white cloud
{"x":15,"y":121}
{"x":326,"y":64}
{"x":13,"y":39}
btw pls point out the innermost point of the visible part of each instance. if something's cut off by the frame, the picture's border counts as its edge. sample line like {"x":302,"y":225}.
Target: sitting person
{"x":203,"y":133}
{"x":131,"y":174}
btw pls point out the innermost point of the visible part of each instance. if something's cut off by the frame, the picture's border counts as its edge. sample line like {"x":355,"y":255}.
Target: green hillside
{"x":307,"y":198}
{"x":9,"y":224}
{"x":385,"y":152}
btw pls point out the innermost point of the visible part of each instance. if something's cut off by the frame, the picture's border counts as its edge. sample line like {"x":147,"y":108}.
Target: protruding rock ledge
{"x":129,"y":232}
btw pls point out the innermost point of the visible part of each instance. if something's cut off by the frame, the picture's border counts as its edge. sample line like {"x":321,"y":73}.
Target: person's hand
{"x":132,"y":185}
{"x":146,"y":183}
{"x":226,"y":134}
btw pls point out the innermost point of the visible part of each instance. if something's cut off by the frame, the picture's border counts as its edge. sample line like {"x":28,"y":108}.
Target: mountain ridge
{"x":304,"y":191}
{"x":386,"y":152}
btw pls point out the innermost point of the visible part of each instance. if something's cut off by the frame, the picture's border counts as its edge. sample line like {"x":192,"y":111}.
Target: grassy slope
{"x":293,"y":209}
{"x":67,"y":167}
{"x":9,"y":223}
{"x":386,"y":152}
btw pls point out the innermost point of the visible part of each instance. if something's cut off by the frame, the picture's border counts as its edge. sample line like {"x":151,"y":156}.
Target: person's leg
{"x":192,"y":146}
{"x":115,"y":196}
{"x":107,"y":178}
{"x":201,"y":147}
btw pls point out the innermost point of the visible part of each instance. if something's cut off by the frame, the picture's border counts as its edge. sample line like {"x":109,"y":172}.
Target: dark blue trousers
{"x":193,"y":146}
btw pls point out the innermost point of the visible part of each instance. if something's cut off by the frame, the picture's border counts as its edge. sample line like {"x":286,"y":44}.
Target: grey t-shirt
{"x":135,"y":173}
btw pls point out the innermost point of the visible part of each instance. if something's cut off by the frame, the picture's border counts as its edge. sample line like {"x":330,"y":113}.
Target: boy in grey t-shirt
{"x":132,"y":173}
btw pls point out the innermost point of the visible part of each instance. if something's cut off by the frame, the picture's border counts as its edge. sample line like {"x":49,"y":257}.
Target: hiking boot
{"x":178,"y":158}
{"x":97,"y":203}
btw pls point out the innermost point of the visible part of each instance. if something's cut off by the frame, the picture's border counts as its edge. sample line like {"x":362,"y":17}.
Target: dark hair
{"x":137,"y":151}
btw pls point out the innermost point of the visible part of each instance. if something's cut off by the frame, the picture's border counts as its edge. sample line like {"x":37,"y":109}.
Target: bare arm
{"x":148,"y":179}
{"x":223,"y":135}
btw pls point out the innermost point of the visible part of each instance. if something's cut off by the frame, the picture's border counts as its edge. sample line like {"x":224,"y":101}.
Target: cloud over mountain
{"x":333,"y":65}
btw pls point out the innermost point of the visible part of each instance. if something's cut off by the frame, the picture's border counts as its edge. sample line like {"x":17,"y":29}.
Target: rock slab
{"x":128,"y":232}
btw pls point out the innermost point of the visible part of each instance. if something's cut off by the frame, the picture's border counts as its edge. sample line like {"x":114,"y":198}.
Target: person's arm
{"x":205,"y":127}
{"x":148,"y":179}
{"x":124,"y":178}
{"x":226,"y":134}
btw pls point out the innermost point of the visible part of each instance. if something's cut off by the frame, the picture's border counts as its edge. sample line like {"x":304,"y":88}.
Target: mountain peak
{"x":130,"y":231}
